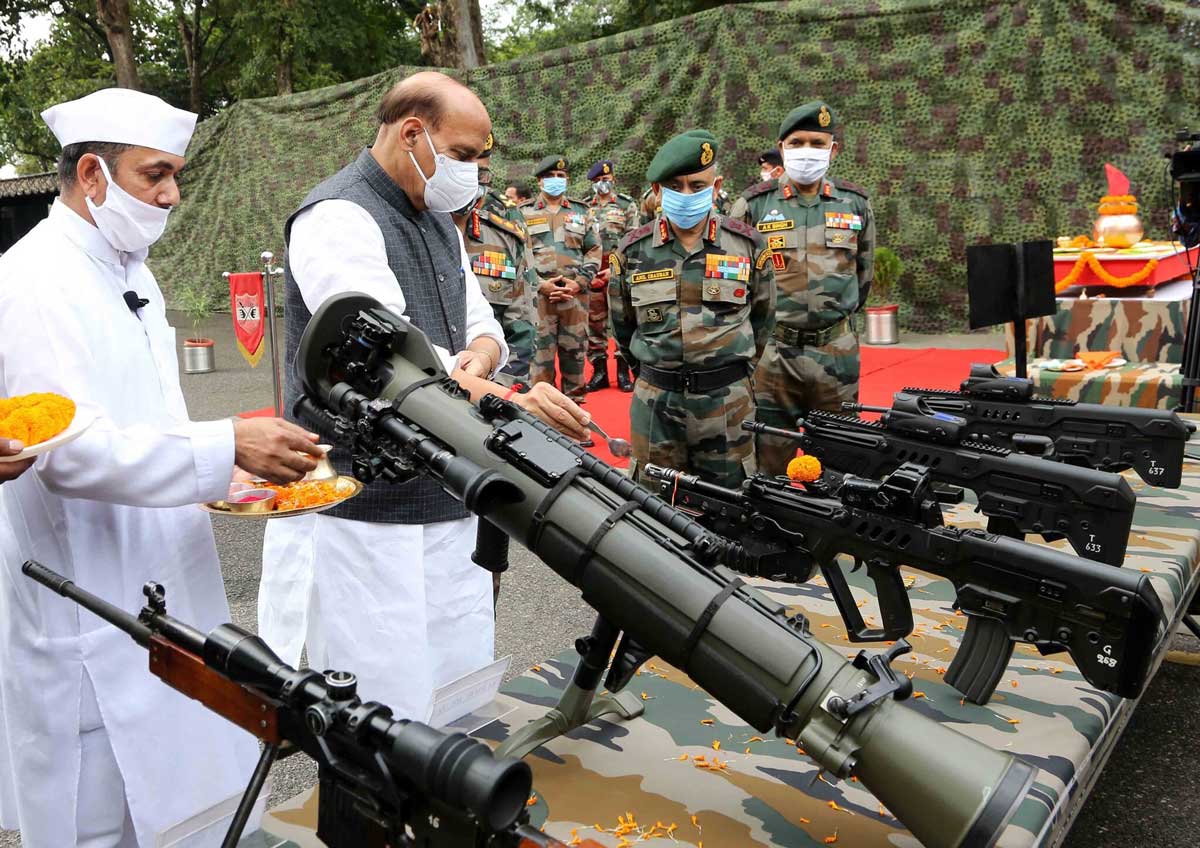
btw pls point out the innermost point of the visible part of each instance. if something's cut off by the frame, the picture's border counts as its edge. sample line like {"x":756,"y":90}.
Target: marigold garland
{"x":35,"y":418}
{"x":1088,"y":259}
{"x":301,"y":495}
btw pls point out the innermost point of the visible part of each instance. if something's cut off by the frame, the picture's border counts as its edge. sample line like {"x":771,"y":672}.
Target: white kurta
{"x":401,"y":606}
{"x":110,"y":511}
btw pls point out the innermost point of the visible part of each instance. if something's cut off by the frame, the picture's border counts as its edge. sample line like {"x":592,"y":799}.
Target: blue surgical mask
{"x":554,"y":186}
{"x":686,"y":210}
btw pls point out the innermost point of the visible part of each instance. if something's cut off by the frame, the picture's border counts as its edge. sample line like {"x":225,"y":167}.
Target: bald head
{"x":433,"y":97}
{"x":432,"y":103}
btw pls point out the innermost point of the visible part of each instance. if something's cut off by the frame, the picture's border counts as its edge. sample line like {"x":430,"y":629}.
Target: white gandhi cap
{"x":122,"y":116}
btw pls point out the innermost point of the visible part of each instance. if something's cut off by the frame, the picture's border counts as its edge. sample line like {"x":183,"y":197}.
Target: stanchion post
{"x":269,"y":272}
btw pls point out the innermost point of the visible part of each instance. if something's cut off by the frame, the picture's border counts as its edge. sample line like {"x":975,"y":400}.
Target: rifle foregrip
{"x":981,"y":660}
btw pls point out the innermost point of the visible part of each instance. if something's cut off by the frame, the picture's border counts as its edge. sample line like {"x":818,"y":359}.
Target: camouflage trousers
{"x":562,"y":334}
{"x":698,"y":433}
{"x":792,"y":380}
{"x":597,"y":328}
{"x":520,"y":336}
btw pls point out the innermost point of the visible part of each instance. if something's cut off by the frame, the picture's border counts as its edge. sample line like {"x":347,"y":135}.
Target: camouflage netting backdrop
{"x":966,"y":122}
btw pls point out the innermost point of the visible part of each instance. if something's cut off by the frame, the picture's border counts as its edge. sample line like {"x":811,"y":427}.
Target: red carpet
{"x":885,"y":370}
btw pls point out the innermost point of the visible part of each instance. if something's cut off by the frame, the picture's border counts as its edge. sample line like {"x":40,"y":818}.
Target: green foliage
{"x":198,"y":303}
{"x":965,"y":120}
{"x":247,"y":39}
{"x":888,"y":269}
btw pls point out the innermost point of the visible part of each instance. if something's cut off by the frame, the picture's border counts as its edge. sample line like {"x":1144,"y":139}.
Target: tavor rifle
{"x":1092,"y":510}
{"x":1004,"y":411}
{"x":375,"y":382}
{"x":1108,"y":619}
{"x":383,"y":782}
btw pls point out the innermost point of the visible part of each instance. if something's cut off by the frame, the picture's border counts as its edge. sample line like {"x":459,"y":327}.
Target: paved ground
{"x":1145,"y":795}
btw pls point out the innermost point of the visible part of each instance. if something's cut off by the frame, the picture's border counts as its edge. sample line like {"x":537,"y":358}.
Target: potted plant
{"x":198,"y":354}
{"x":883,"y":326}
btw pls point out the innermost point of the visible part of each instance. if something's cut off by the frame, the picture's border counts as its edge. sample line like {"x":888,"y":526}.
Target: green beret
{"x":551,"y":163}
{"x":686,"y":153}
{"x":815,"y":116}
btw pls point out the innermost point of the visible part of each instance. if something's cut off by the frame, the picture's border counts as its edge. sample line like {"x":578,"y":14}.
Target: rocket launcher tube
{"x":639,"y":575}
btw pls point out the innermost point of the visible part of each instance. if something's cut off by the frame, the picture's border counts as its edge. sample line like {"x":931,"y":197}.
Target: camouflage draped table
{"x":1154,"y":385}
{"x":690,"y":771}
{"x":1146,"y":326}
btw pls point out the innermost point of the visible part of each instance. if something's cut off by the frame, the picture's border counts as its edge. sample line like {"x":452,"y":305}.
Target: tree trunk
{"x":469,"y":22}
{"x":189,"y":36}
{"x":286,"y":50}
{"x":114,"y":17}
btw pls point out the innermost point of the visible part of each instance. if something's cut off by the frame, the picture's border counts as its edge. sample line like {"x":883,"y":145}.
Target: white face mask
{"x":806,"y":165}
{"x":453,"y":183}
{"x":128,"y":224}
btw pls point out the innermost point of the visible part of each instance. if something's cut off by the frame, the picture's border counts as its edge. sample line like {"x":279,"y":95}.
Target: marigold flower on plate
{"x":35,"y":418}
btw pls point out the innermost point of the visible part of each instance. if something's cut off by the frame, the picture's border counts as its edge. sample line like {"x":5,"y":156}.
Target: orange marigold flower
{"x":803,"y":469}
{"x":35,"y":418}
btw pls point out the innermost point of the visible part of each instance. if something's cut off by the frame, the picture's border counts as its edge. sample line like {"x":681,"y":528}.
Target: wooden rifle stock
{"x":187,"y":673}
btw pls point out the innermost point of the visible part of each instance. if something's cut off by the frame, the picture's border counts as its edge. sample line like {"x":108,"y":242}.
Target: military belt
{"x":793,"y":337}
{"x":691,"y":380}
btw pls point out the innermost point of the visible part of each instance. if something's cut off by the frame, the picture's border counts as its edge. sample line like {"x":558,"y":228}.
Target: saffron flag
{"x":247,"y":301}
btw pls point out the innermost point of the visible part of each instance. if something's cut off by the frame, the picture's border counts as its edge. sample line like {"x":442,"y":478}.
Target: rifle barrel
{"x":112,"y":614}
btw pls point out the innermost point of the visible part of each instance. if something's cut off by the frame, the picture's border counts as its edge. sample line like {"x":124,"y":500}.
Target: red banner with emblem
{"x":247,"y":301}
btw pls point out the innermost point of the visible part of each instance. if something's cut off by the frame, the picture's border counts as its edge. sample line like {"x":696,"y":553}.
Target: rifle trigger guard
{"x":888,"y":684}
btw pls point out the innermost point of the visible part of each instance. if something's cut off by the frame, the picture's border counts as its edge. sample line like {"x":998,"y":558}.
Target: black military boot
{"x":599,"y":375}
{"x":624,"y":380}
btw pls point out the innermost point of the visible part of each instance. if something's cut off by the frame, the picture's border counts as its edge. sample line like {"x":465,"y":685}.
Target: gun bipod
{"x":579,"y":703}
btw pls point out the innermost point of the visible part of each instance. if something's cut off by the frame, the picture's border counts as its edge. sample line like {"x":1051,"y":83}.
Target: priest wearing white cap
{"x":101,"y":753}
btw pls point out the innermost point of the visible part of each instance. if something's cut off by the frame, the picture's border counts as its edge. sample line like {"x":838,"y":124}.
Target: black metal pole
{"x":1189,"y":368}
{"x":250,"y":796}
{"x":1020,"y":336}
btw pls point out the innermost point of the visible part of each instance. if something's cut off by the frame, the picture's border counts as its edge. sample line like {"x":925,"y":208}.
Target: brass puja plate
{"x":347,"y":487}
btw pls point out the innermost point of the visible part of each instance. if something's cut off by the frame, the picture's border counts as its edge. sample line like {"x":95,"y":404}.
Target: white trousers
{"x":400,"y":605}
{"x":102,"y":818}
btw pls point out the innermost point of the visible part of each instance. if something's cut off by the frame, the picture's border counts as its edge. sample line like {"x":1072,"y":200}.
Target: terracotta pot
{"x":199,"y":356}
{"x":883,"y":324}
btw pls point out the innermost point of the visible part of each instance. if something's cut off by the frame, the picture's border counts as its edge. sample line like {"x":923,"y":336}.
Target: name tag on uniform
{"x":537,"y":222}
{"x":843,"y":220}
{"x":774,"y":226}
{"x":777,"y":242}
{"x":723,"y":267}
{"x":651,"y":276}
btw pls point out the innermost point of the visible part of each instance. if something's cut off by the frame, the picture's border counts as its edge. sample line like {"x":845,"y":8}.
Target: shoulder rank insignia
{"x":741,"y":228}
{"x":506,"y":225}
{"x":635,"y":235}
{"x":664,"y":232}
{"x":759,"y":188}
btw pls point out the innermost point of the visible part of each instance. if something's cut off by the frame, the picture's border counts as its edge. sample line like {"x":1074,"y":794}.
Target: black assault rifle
{"x":1004,"y":411}
{"x":1011,"y":591}
{"x":383,"y":781}
{"x":1019,"y":494}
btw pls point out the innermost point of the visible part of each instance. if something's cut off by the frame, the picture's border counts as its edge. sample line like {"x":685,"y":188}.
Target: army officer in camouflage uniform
{"x":613,"y":215}
{"x":565,"y":254}
{"x":692,"y":295}
{"x":821,"y":233}
{"x":494,"y":234}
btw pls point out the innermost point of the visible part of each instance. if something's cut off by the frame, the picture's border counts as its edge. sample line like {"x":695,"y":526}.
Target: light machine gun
{"x":647,"y":571}
{"x":1019,"y":494}
{"x":1108,"y":619}
{"x":384,"y":783}
{"x":1004,"y":411}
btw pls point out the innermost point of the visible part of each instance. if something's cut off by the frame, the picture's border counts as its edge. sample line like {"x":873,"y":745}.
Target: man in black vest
{"x":384,"y":583}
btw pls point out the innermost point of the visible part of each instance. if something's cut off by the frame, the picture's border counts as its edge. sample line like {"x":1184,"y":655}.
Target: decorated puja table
{"x":688,"y":771}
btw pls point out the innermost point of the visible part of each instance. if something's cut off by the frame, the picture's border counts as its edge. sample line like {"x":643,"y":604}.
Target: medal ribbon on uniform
{"x":843,"y":220}
{"x":724,"y":267}
{"x":493,"y":263}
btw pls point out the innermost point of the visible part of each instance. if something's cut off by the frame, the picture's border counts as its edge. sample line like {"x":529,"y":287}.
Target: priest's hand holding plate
{"x":274,"y":449}
{"x":12,"y":470}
